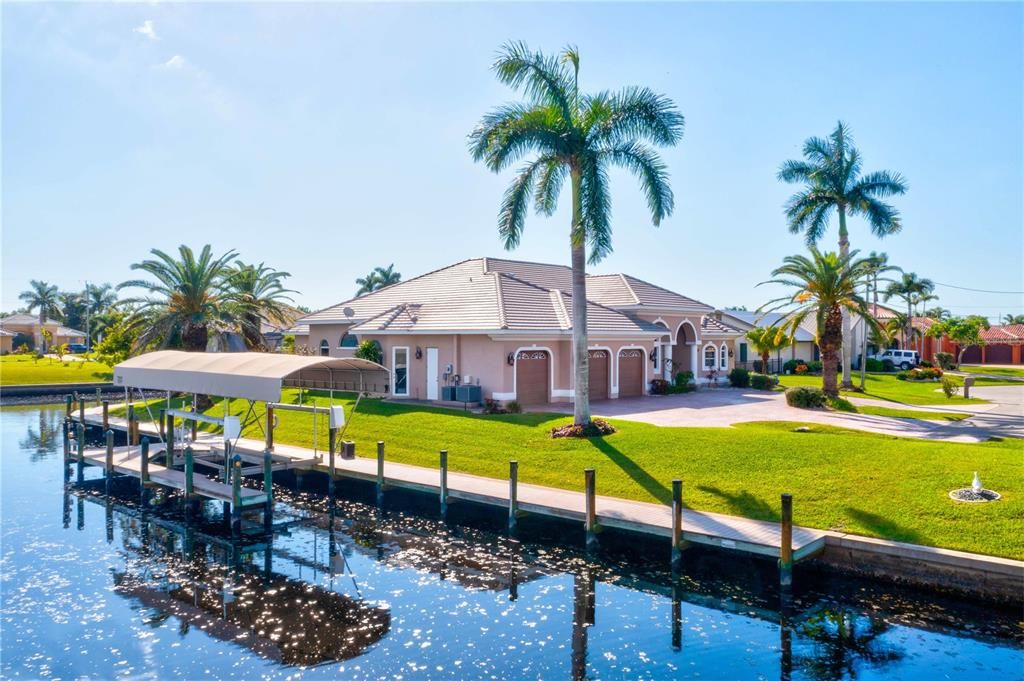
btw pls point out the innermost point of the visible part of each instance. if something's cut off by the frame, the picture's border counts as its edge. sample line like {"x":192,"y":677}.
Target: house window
{"x":400,"y":368}
{"x":348,"y":341}
{"x":325,"y":348}
{"x":710,"y":358}
{"x":723,"y":357}
{"x":743,"y":352}
{"x":817,"y":354}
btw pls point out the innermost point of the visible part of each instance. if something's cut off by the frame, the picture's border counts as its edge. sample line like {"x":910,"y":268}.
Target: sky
{"x":326,"y":139}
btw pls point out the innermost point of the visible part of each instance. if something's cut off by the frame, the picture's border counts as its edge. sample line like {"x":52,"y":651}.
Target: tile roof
{"x":759,"y":319}
{"x":1011,"y":333}
{"x":711,"y":325}
{"x":489,"y":294}
{"x":23,"y":319}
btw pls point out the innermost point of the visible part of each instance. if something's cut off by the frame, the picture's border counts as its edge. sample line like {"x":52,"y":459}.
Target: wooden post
{"x":80,"y":441}
{"x":236,"y":497}
{"x":677,"y":614}
{"x":66,"y":436}
{"x":81,"y":411}
{"x":190,"y":469}
{"x":786,"y":549}
{"x":268,"y":490}
{"x":444,"y":482}
{"x":144,"y":472}
{"x":67,"y":405}
{"x":106,"y":414}
{"x":99,"y":397}
{"x":195,"y":424}
{"x":270,"y":428}
{"x":227,"y":479}
{"x":169,"y":440}
{"x":513,"y":496}
{"x":677,"y":525}
{"x":108,"y":468}
{"x":590,"y":521}
{"x":380,"y":472}
{"x":131,"y":424}
{"x":330,"y":466}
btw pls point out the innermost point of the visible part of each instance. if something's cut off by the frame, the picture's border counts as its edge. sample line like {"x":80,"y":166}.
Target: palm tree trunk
{"x":846,"y":348}
{"x":831,"y":342}
{"x":581,"y":399}
{"x":864,"y":343}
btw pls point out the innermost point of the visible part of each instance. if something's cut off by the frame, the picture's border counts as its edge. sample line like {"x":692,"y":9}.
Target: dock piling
{"x":270,"y":428}
{"x":190,"y":469}
{"x":236,"y":497}
{"x":108,"y":468}
{"x":144,"y":472}
{"x":380,"y":472}
{"x":169,"y":440}
{"x":131,"y":425}
{"x":677,"y":526}
{"x":106,"y":414}
{"x":81,"y":410}
{"x":786,"y":549}
{"x":331,"y":467}
{"x":99,"y":397}
{"x":513,"y":496}
{"x":67,"y":405}
{"x":268,"y":490}
{"x":80,"y":441}
{"x":590,"y":522}
{"x":444,"y":482}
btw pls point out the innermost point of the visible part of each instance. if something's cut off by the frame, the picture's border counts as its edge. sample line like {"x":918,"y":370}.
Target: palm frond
{"x":549,"y":185}
{"x":543,"y":79}
{"x":596,"y":204}
{"x":515,"y":202}
{"x":634,"y":113}
{"x":652,"y":172}
{"x":509,"y":132}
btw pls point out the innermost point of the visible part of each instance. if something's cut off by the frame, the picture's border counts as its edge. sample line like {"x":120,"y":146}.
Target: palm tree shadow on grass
{"x":885,"y":527}
{"x":743,"y":503}
{"x":641,"y":477}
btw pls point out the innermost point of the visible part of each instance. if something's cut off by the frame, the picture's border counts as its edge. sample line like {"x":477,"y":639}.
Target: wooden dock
{"x":783,"y":540}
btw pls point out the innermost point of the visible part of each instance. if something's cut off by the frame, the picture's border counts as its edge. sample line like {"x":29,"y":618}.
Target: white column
{"x":666,"y":361}
{"x":694,"y":360}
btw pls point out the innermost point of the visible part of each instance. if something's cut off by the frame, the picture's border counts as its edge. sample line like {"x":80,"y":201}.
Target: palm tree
{"x":72,"y":308}
{"x":766,"y":340}
{"x":578,"y":137}
{"x":878,"y":264}
{"x":940,"y":314}
{"x":825,"y":284}
{"x":186,"y":301}
{"x":1013,"y":319}
{"x":378,"y":279}
{"x":46,"y":299}
{"x":911,"y":288}
{"x":832,"y":181}
{"x":257,"y":294}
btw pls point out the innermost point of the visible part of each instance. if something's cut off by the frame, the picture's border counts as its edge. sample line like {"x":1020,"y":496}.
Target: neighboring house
{"x":925,"y":345}
{"x":507,"y":326}
{"x":1002,"y":346}
{"x":6,"y":341}
{"x":28,"y":325}
{"x":804,"y":347}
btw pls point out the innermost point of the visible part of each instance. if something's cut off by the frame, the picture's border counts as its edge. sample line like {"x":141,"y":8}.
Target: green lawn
{"x":24,"y":370}
{"x":841,"y":479}
{"x":994,"y":371}
{"x":888,"y":387}
{"x":911,"y":414}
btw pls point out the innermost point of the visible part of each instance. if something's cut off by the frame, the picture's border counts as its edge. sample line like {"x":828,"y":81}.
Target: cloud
{"x":175,"y":62}
{"x":147,"y":30}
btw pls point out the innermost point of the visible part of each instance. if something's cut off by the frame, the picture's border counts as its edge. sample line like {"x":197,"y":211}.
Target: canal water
{"x":97,"y":587}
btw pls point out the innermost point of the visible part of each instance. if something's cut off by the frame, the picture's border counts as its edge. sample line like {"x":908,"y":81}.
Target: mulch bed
{"x":596,"y":428}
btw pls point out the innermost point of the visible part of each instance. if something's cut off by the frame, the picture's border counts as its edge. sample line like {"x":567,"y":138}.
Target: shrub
{"x":493,"y":407}
{"x":659,"y":386}
{"x":370,"y":350}
{"x":790,"y":365}
{"x":596,"y":428}
{"x":925,"y":364}
{"x":888,"y":365}
{"x":814,"y":366}
{"x":684,"y":378}
{"x":926,"y":374}
{"x":874,"y":365}
{"x":762,"y":381}
{"x":806,"y":397}
{"x":944,"y":359}
{"x":949,"y":387}
{"x":288,"y":343}
{"x":739,"y":378}
{"x":514,"y":407}
{"x":802,"y":368}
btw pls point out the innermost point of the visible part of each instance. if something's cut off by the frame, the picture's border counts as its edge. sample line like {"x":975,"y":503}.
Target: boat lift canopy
{"x":248,"y":375}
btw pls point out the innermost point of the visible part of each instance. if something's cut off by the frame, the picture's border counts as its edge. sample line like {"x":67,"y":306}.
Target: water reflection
{"x":844,"y":641}
{"x":45,"y":439}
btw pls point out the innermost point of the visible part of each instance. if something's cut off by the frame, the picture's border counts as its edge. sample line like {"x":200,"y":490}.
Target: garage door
{"x":598,"y":375}
{"x":532,"y":371}
{"x":972,"y":355}
{"x":998,"y":354}
{"x":631,"y":373}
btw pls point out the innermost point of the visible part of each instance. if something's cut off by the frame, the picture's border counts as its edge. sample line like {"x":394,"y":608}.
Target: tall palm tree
{"x":910,"y":288}
{"x":878,"y":264}
{"x":832,"y":179}
{"x":45,"y":298}
{"x":579,"y":137}
{"x":257,"y":294}
{"x":187,"y":300}
{"x":766,"y":340}
{"x":940,"y":314}
{"x":378,"y":279}
{"x":1013,"y":319}
{"x":825,"y":284}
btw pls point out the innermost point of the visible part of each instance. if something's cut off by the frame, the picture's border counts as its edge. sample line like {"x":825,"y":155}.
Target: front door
{"x":432,"y":381}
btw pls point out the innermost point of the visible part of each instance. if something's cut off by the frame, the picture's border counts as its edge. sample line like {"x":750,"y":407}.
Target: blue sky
{"x":326,"y":139}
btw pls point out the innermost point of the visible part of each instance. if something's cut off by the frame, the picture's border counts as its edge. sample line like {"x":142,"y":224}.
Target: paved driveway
{"x":722,"y":407}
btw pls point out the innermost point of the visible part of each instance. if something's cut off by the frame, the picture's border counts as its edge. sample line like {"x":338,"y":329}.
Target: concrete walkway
{"x":723,"y":407}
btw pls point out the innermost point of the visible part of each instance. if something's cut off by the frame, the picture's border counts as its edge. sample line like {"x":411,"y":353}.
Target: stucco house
{"x":6,"y":341}
{"x":506,"y":326}
{"x":804,"y":345}
{"x":28,"y":325}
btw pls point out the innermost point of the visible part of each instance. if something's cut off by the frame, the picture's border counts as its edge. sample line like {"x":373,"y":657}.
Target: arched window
{"x":723,"y":357}
{"x":325,"y":348}
{"x":348,"y":341}
{"x":710,"y":358}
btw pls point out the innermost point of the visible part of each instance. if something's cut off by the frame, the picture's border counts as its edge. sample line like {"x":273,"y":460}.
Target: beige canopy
{"x":247,"y":375}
